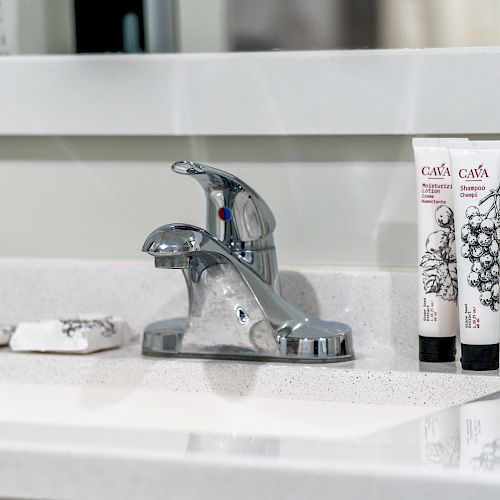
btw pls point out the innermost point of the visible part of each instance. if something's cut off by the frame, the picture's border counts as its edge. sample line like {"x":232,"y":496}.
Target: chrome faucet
{"x":236,"y":310}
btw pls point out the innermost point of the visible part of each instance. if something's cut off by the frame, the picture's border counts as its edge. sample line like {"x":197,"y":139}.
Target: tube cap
{"x":436,"y":349}
{"x":479,"y":357}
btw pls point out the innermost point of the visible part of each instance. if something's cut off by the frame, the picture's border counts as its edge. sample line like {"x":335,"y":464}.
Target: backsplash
{"x":379,"y":305}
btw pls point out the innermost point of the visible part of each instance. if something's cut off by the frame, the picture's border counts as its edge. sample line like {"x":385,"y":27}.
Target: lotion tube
{"x":437,"y":277}
{"x":440,"y":438}
{"x":475,"y":169}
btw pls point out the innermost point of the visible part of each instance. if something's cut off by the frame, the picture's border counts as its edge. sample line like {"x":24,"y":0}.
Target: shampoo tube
{"x":437,"y":277}
{"x":475,"y":169}
{"x":479,"y":436}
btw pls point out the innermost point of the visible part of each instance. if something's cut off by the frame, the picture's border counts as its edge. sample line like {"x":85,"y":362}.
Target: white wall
{"x":45,"y":27}
{"x":340,"y":201}
{"x":437,"y":23}
{"x":202,"y":26}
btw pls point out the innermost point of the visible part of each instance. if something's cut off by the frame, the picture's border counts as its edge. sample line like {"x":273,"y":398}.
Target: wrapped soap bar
{"x":81,"y":334}
{"x":6,"y":332}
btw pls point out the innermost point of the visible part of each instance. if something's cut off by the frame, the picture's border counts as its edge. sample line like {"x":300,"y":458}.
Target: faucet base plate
{"x":164,"y":339}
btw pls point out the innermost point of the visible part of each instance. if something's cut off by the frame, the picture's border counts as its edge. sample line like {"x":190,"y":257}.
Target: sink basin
{"x":88,"y":442}
{"x":84,"y":441}
{"x":139,"y":409}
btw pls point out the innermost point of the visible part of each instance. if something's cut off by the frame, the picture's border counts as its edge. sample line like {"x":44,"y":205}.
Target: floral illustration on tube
{"x":439,"y":262}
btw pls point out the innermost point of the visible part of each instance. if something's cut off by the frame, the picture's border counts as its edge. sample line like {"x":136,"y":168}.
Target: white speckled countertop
{"x":378,"y":305}
{"x":395,"y":380}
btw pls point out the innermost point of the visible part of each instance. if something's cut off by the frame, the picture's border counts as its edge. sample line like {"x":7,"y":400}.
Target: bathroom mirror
{"x":159,"y":26}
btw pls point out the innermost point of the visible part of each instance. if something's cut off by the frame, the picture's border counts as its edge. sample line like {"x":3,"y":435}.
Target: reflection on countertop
{"x":464,"y":438}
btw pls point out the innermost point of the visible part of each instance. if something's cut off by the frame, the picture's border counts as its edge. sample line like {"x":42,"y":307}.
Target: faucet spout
{"x":172,"y":262}
{"x":224,"y":314}
{"x":174,"y":246}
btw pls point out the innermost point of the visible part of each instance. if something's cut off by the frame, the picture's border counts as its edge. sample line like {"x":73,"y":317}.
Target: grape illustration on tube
{"x":481,"y":237}
{"x":475,"y":169}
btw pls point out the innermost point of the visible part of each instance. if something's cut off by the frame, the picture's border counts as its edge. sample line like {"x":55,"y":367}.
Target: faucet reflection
{"x":227,"y":444}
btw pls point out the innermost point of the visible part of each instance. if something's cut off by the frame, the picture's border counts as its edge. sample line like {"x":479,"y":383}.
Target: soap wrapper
{"x":6,"y":332}
{"x":80,"y":334}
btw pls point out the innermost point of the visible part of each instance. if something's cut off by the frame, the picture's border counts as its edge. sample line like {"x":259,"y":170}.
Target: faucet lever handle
{"x":236,"y":214}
